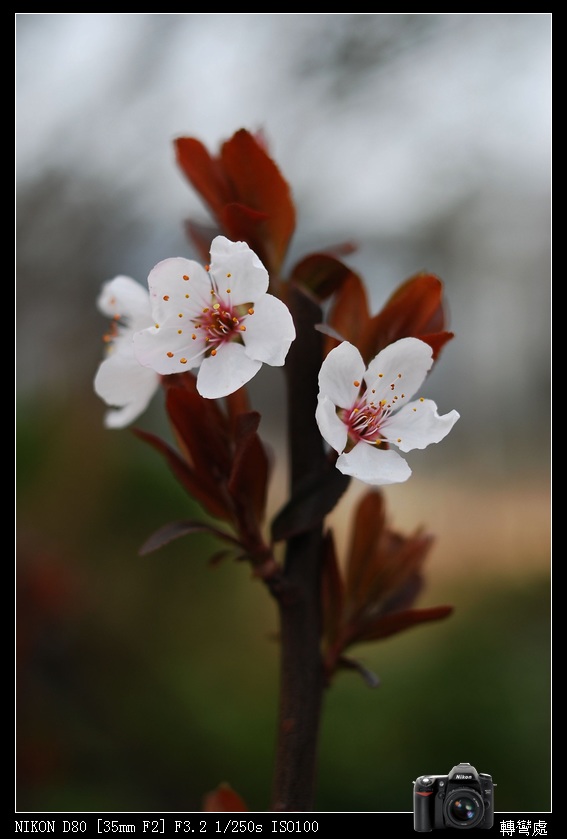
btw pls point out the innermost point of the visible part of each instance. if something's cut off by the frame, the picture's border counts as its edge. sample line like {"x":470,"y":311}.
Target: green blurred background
{"x":142,"y":683}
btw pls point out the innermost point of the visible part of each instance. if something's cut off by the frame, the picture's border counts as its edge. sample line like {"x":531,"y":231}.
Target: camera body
{"x":462,"y":799}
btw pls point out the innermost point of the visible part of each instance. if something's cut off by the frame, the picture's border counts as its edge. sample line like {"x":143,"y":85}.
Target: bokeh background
{"x":142,"y":683}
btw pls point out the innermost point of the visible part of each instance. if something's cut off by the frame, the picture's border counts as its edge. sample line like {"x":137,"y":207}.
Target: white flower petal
{"x":225,"y":372}
{"x":172,"y":295}
{"x":332,"y":428}
{"x":417,"y":425}
{"x":121,"y":417}
{"x":340,"y":375}
{"x":399,"y":370}
{"x":269,"y":331}
{"x":120,"y":380}
{"x":196,"y":319}
{"x":374,"y":466}
{"x":126,"y":299}
{"x":236,"y":267}
{"x":123,"y":383}
{"x":167,"y":350}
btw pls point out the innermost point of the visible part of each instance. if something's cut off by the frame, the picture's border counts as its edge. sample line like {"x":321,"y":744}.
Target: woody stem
{"x":301,"y":666}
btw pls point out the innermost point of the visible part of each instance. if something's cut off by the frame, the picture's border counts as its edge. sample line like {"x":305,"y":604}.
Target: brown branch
{"x":301,"y":667}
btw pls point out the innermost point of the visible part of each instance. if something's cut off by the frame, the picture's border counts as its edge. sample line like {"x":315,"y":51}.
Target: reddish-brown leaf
{"x":176,"y":529}
{"x":349,"y":315}
{"x":322,"y":273}
{"x":245,"y":191}
{"x":248,"y":482}
{"x":223,"y":800}
{"x":237,"y":403}
{"x":415,"y":310}
{"x":208,"y":496}
{"x":437,"y":341}
{"x":367,"y":528}
{"x":204,"y":172}
{"x":245,"y":423}
{"x":386,"y":625}
{"x":422,"y":296}
{"x":258,"y":184}
{"x":397,"y":562}
{"x":202,"y":432}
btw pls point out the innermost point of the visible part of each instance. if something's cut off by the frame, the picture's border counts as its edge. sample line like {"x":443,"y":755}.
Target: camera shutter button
{"x":427,"y":781}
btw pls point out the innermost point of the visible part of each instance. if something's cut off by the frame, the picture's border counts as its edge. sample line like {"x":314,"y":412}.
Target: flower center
{"x":363,"y":421}
{"x":113,"y":330}
{"x":222,"y":322}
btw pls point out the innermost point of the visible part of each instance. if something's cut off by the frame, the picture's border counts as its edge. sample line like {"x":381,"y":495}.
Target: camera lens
{"x":463,"y":809}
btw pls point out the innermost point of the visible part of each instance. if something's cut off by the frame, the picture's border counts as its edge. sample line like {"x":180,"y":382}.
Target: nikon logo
{"x":464,"y":777}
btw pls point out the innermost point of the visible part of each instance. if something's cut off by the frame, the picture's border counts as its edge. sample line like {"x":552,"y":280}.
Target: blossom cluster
{"x":220,"y":320}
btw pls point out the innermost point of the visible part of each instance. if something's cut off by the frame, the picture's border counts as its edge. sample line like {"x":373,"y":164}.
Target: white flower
{"x":362,"y":412}
{"x":218,"y":318}
{"x":121,"y":380}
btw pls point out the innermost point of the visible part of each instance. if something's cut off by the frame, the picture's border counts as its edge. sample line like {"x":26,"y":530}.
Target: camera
{"x":461,"y":799}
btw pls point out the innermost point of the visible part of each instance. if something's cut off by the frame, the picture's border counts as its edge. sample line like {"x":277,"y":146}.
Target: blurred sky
{"x":424,"y":138}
